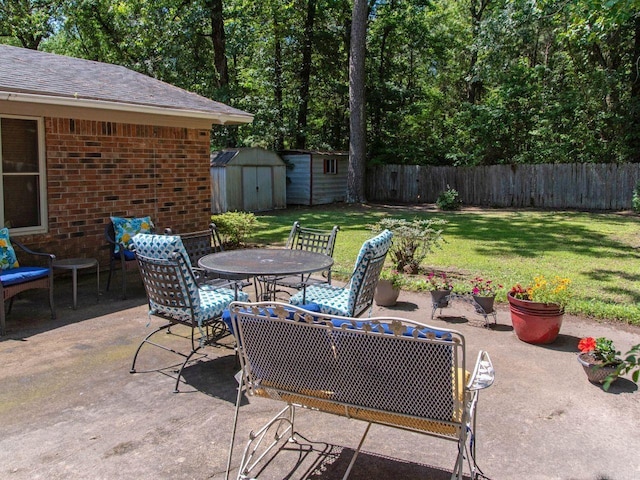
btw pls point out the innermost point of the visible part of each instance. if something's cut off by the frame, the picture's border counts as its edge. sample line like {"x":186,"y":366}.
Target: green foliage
{"x":448,"y":200}
{"x":235,"y":228}
{"x":630,"y":364}
{"x":635,"y":201}
{"x":396,"y":278}
{"x":412,"y":240}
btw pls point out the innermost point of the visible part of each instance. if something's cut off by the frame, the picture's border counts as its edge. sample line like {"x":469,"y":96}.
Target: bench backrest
{"x":383,"y":365}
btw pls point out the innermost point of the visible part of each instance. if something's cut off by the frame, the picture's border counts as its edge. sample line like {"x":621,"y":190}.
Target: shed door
{"x":257,"y":189}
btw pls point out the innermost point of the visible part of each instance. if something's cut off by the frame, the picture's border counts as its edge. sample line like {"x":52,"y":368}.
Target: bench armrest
{"x":483,"y":374}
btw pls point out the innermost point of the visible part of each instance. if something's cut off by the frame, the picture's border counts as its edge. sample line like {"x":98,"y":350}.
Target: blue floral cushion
{"x":8,"y":257}
{"x":126,"y":228}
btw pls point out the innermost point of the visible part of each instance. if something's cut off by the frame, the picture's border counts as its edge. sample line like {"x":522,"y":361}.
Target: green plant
{"x":412,"y":240}
{"x":396,"y":278}
{"x":482,"y":287}
{"x":448,"y":200}
{"x":542,"y":290}
{"x":436,"y":282}
{"x":601,"y":349}
{"x":235,"y":227}
{"x":630,"y":363}
{"x":635,"y":201}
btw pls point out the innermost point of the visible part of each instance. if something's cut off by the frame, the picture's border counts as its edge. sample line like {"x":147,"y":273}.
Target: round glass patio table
{"x":265,"y":265}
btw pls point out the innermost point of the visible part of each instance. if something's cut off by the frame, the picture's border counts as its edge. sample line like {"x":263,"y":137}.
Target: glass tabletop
{"x":265,"y":261}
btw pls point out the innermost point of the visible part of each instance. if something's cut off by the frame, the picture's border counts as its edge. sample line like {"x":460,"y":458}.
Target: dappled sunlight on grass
{"x":599,"y":252}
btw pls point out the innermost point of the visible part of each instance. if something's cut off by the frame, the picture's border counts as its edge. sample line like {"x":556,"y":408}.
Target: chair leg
{"x":123,"y":270}
{"x":2,"y":320}
{"x":111,"y":267}
{"x":51,"y":304}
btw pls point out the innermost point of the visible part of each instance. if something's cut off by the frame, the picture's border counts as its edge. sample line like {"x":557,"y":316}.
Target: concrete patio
{"x":70,"y":409}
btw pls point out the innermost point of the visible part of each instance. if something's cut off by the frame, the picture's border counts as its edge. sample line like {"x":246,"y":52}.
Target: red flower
{"x":587,"y":344}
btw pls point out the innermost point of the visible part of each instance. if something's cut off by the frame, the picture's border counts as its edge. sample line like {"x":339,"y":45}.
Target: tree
{"x":357,"y":126}
{"x":28,"y":21}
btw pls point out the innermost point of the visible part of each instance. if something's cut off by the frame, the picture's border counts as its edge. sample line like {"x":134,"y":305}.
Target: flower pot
{"x":535,"y":322}
{"x":595,"y":372}
{"x":484,"y":305}
{"x":440,"y":298}
{"x":386,"y":295}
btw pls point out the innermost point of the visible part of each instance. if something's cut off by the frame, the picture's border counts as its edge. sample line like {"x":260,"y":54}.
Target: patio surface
{"x":70,"y":409}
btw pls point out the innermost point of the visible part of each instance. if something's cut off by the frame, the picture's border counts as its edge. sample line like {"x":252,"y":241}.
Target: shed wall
{"x":328,"y":188}
{"x":299,"y":179}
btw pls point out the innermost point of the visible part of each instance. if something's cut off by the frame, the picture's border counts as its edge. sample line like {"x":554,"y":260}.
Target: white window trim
{"x":42,"y":166}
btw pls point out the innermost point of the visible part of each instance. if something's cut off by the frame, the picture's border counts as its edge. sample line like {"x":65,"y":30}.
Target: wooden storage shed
{"x":316,"y":178}
{"x":247,"y":179}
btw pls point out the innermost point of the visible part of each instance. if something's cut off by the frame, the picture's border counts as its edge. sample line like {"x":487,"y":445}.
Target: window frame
{"x":330,"y":166}
{"x":42,"y":179}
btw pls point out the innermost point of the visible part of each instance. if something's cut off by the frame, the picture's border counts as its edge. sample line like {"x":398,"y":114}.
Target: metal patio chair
{"x":174,"y":295}
{"x":356,"y":296}
{"x":205,"y":242}
{"x":120,"y":252}
{"x":311,"y":240}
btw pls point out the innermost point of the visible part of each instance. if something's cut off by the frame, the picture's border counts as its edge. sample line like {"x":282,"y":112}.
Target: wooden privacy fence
{"x":603,"y":186}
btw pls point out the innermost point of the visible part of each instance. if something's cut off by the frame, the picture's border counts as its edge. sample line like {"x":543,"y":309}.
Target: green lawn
{"x":599,"y":252}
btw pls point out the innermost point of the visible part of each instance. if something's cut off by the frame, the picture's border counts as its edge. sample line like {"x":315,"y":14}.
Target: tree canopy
{"x":450,"y":82}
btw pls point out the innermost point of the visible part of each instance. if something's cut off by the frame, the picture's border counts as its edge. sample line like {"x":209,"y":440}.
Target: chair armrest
{"x":49,"y":256}
{"x":483,"y":374}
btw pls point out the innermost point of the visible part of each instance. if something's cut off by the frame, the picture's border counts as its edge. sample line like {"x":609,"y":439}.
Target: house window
{"x":330,"y":166}
{"x":22,"y":165}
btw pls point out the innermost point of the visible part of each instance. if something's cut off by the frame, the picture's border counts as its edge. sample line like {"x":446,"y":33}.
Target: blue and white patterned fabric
{"x":126,"y":228}
{"x":208,"y":302}
{"x":335,"y":300}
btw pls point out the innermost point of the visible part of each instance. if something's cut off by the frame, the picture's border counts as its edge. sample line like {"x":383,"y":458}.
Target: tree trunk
{"x":634,"y":103}
{"x":305,"y":75}
{"x":357,"y":140}
{"x":278,"y":141}
{"x":218,"y":40}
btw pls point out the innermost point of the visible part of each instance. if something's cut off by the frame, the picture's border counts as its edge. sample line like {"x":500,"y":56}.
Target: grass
{"x":599,"y":252}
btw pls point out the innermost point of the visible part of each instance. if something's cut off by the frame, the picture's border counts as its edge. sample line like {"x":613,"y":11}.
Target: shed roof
{"x":223,"y":157}
{"x":39,"y":77}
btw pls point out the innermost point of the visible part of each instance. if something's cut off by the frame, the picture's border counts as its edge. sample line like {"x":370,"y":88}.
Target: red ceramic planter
{"x":533,"y":322}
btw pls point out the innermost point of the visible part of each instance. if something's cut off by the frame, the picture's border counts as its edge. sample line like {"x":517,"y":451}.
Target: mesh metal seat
{"x":174,"y":295}
{"x":357,"y":296}
{"x":383,"y":370}
{"x":312,"y":240}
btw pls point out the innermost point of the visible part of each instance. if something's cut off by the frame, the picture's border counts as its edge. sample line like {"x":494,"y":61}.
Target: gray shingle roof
{"x":24,"y":71}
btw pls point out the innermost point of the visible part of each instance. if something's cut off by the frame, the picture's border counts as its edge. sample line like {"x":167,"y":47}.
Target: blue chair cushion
{"x":226,"y":315}
{"x":8,"y":257}
{"x":14,"y":276}
{"x":330,"y":299}
{"x":128,"y":255}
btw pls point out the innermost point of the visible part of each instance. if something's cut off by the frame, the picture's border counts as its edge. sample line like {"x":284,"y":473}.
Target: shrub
{"x":448,"y":200}
{"x":412,"y":241}
{"x":635,"y":201}
{"x":235,"y":227}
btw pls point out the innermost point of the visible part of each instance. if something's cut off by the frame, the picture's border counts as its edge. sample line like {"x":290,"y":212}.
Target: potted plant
{"x":388,"y":288}
{"x":440,"y":287}
{"x":599,"y":359}
{"x":537,"y":309}
{"x":484,"y":294}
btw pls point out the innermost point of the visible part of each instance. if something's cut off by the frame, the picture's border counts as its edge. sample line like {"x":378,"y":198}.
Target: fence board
{"x":586,"y":186}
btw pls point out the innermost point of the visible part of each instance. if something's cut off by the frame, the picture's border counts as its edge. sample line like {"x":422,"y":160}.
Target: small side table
{"x":74,"y":264}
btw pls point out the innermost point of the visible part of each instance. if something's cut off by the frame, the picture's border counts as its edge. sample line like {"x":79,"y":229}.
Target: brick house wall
{"x":98,"y":169}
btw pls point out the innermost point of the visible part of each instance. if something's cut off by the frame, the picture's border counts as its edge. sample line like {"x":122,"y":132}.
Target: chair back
{"x":171,"y":286}
{"x":201,"y":243}
{"x":363,"y":365}
{"x":312,"y":239}
{"x":366,"y":272}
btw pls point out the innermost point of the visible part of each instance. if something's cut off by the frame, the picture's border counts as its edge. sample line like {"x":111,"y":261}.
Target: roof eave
{"x":217,"y":118}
